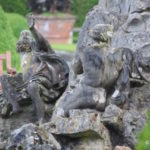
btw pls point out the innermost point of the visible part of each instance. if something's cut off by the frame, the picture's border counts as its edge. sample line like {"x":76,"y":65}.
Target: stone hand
{"x":118,"y":98}
{"x":30,"y":21}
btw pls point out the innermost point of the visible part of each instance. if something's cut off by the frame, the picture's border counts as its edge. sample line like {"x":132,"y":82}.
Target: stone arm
{"x":43,"y":44}
{"x":77,"y":66}
{"x":122,"y":87}
{"x":123,"y":83}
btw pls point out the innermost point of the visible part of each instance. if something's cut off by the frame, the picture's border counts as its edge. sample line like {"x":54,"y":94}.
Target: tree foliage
{"x":40,"y":6}
{"x":15,"y":6}
{"x":80,"y":8}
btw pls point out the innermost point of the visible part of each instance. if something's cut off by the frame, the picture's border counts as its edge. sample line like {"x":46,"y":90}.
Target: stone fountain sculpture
{"x":107,"y":98}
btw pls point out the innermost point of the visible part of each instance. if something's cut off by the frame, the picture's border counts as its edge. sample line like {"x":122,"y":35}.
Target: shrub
{"x":7,"y":39}
{"x":80,"y":8}
{"x":15,"y":6}
{"x":17,"y":22}
{"x":144,"y":137}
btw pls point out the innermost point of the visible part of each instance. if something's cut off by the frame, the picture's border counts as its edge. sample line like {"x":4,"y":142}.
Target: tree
{"x":40,"y":6}
{"x":80,"y":8}
{"x":16,"y":6}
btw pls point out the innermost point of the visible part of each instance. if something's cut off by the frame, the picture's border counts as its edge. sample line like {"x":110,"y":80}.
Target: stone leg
{"x":10,"y":93}
{"x":81,"y":97}
{"x":34,"y":92}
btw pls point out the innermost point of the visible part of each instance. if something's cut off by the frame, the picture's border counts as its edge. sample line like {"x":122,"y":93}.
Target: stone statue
{"x":106,"y":102}
{"x":104,"y":71}
{"x":45,"y":75}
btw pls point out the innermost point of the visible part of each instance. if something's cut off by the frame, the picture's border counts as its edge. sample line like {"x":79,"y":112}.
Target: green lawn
{"x":55,"y":15}
{"x":64,"y":47}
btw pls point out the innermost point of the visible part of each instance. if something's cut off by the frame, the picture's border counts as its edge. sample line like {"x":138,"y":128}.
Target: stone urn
{"x":56,"y":29}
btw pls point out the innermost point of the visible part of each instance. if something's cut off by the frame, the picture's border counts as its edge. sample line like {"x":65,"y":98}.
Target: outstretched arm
{"x":43,"y":44}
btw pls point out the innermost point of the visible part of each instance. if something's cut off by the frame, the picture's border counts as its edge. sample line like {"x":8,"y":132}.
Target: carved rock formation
{"x":30,"y":136}
{"x":88,"y":129}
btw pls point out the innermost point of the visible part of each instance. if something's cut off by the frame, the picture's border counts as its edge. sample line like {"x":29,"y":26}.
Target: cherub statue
{"x":104,"y":71}
{"x":45,"y":75}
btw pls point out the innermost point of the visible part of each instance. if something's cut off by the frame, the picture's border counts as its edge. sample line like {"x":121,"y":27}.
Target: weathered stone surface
{"x":129,"y":18}
{"x":124,"y":7}
{"x":4,"y":106}
{"x":9,"y":124}
{"x":80,"y":122}
{"x":122,"y":148}
{"x":133,"y":122}
{"x":140,"y":99}
{"x":86,"y":144}
{"x":32,"y":137}
{"x":134,"y":32}
{"x":67,"y":56}
{"x":131,"y":30}
{"x":83,"y":125}
{"x":97,"y":16}
{"x":84,"y":129}
{"x":80,"y":96}
{"x":15,"y":121}
{"x":113,"y":117}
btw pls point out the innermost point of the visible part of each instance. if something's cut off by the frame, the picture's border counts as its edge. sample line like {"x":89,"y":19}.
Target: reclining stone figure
{"x":45,"y":75}
{"x":105,"y":72}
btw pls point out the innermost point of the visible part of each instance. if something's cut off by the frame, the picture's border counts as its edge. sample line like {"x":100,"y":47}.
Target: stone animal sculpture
{"x":103,"y":70}
{"x":45,"y":75}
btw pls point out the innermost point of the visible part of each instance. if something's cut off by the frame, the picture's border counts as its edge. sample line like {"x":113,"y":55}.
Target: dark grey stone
{"x":32,"y":137}
{"x":133,"y":122}
{"x":113,"y":117}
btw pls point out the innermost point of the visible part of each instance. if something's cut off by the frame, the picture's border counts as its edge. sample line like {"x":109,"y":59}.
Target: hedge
{"x":7,"y":39}
{"x":80,"y":8}
{"x":18,"y":23}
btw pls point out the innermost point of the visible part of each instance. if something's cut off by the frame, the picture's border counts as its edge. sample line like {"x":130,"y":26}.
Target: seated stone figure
{"x":45,"y":75}
{"x":103,"y":71}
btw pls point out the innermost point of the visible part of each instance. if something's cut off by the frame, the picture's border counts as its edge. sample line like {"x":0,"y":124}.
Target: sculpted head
{"x":101,"y":33}
{"x":25,"y":41}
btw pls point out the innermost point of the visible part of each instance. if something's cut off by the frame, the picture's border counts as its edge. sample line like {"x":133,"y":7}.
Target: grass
{"x":64,"y":47}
